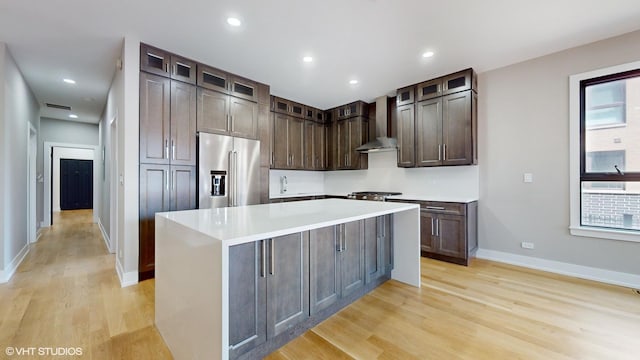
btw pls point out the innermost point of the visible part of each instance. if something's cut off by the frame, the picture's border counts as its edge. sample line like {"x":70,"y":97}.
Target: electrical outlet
{"x":527,"y":245}
{"x":527,"y":177}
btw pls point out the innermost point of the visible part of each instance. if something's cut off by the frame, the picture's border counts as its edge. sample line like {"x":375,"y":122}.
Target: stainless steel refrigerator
{"x":228,"y":171}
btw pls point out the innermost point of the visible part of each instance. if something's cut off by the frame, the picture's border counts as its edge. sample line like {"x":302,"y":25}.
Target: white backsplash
{"x":299,"y":183}
{"x":382,"y":175}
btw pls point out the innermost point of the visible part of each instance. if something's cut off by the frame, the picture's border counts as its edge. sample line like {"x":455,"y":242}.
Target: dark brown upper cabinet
{"x":459,"y":129}
{"x":429,"y":89}
{"x":429,"y":132}
{"x":288,"y":142}
{"x":310,"y":113}
{"x":405,"y":96}
{"x":406,"y":136}
{"x":219,"y":113}
{"x":163,"y":63}
{"x":224,"y":82}
{"x":284,"y":106}
{"x":460,"y":81}
{"x":167,"y":121}
{"x":358,"y":108}
{"x":348,"y":135}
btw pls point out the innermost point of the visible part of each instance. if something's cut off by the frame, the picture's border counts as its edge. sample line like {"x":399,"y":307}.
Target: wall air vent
{"x":56,"y":106}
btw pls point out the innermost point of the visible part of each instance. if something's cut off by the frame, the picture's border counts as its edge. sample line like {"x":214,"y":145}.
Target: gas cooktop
{"x":372,"y":195}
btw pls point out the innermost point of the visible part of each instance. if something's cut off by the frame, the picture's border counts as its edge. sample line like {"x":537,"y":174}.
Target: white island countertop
{"x":236,"y":225}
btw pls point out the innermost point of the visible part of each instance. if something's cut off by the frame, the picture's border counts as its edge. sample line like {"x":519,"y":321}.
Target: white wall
{"x":128,"y":161}
{"x":19,"y":107}
{"x":299,"y":183}
{"x":524,"y":127}
{"x":67,"y":153}
{"x":384,"y":175}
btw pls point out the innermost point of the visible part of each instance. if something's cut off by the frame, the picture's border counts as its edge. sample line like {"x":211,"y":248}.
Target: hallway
{"x":66,"y":294}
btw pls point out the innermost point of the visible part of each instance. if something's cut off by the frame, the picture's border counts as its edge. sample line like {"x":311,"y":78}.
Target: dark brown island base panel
{"x":437,"y":121}
{"x":448,"y":230}
{"x":179,"y":98}
{"x":281,"y":287}
{"x":306,"y":138}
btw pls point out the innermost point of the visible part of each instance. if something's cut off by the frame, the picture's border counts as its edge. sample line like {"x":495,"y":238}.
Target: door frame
{"x":113,"y":185}
{"x":32,"y":159}
{"x":48,"y":175}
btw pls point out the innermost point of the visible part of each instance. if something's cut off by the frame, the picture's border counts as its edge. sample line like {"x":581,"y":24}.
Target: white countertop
{"x":291,"y":195}
{"x":455,"y":199}
{"x":236,"y":225}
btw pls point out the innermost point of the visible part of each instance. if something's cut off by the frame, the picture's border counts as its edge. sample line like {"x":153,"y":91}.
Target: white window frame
{"x":574,"y":158}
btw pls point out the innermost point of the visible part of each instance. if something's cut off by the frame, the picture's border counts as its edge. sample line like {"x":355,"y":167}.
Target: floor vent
{"x":56,"y":106}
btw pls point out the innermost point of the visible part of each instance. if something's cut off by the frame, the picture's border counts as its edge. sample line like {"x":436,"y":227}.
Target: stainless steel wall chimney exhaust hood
{"x":382,"y":142}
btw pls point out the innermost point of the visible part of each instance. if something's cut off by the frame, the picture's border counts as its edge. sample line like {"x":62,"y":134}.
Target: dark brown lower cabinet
{"x":268,"y":289}
{"x":280,"y":287}
{"x":162,"y":188}
{"x":448,"y":231}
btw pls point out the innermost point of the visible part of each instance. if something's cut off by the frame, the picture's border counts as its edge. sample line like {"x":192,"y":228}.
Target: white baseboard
{"x":105,"y":237}
{"x":579,"y":271}
{"x":126,"y":279}
{"x":7,"y":273}
{"x":39,"y":234}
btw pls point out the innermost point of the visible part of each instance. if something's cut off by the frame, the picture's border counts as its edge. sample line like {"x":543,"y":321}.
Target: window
{"x":609,"y":151}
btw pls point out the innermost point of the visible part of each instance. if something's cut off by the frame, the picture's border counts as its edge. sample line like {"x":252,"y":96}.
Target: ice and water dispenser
{"x":218,"y":181}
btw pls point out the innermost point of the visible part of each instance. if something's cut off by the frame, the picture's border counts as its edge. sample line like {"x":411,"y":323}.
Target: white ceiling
{"x":378,"y":42}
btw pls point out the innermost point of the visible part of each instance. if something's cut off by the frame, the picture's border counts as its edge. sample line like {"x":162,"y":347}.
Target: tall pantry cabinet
{"x":167,"y":143}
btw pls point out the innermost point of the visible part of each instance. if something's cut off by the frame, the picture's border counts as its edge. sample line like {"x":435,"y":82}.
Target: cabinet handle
{"x":444,"y":152}
{"x":438,"y":227}
{"x":173,"y":149}
{"x":439,"y":152}
{"x":272,"y":158}
{"x":264,"y":258}
{"x":434,"y":207}
{"x":432,"y":227}
{"x":167,"y":180}
{"x":174,"y":178}
{"x":272,"y":260}
{"x":166,"y":67}
{"x":339,"y":235}
{"x":166,"y":148}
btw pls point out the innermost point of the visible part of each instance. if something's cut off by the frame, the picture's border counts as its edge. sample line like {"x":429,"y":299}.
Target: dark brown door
{"x":287,"y":282}
{"x":183,"y":69}
{"x":183,"y":124}
{"x":247,"y":297}
{"x":352,"y":258}
{"x":429,"y":89}
{"x":244,"y":118}
{"x":213,"y":79}
{"x":343,"y":137}
{"x":405,"y":96}
{"x":427,"y":231}
{"x":324,"y":268}
{"x":213,"y":112}
{"x":183,"y":188}
{"x":154,"y":197}
{"x":155,"y":115}
{"x":451,"y":235}
{"x":373,"y":248}
{"x":429,"y":133}
{"x":309,"y":145}
{"x":296,"y":139}
{"x":320,"y":147}
{"x":456,"y":129}
{"x":357,"y":136}
{"x":154,"y":60}
{"x":406,"y":136}
{"x":244,"y":88}
{"x":280,"y":141}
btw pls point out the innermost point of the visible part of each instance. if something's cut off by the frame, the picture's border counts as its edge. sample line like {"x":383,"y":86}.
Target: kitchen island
{"x":239,"y":282}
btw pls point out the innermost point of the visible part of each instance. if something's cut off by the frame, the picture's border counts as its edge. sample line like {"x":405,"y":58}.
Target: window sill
{"x":621,"y":235}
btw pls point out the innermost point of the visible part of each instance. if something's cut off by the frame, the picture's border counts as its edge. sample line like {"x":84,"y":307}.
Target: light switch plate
{"x":527,"y":177}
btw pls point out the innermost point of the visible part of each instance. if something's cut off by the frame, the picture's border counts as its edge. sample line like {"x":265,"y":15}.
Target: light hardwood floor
{"x":66,"y":293}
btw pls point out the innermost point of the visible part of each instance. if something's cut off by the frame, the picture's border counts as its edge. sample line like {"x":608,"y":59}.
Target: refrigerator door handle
{"x":235,"y":178}
{"x":232,"y":178}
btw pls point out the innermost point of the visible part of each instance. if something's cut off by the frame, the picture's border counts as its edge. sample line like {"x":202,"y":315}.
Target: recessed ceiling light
{"x":307,"y":59}
{"x":234,"y":21}
{"x":73,"y":116}
{"x":428,"y":54}
{"x":353,"y":82}
{"x":69,"y":81}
